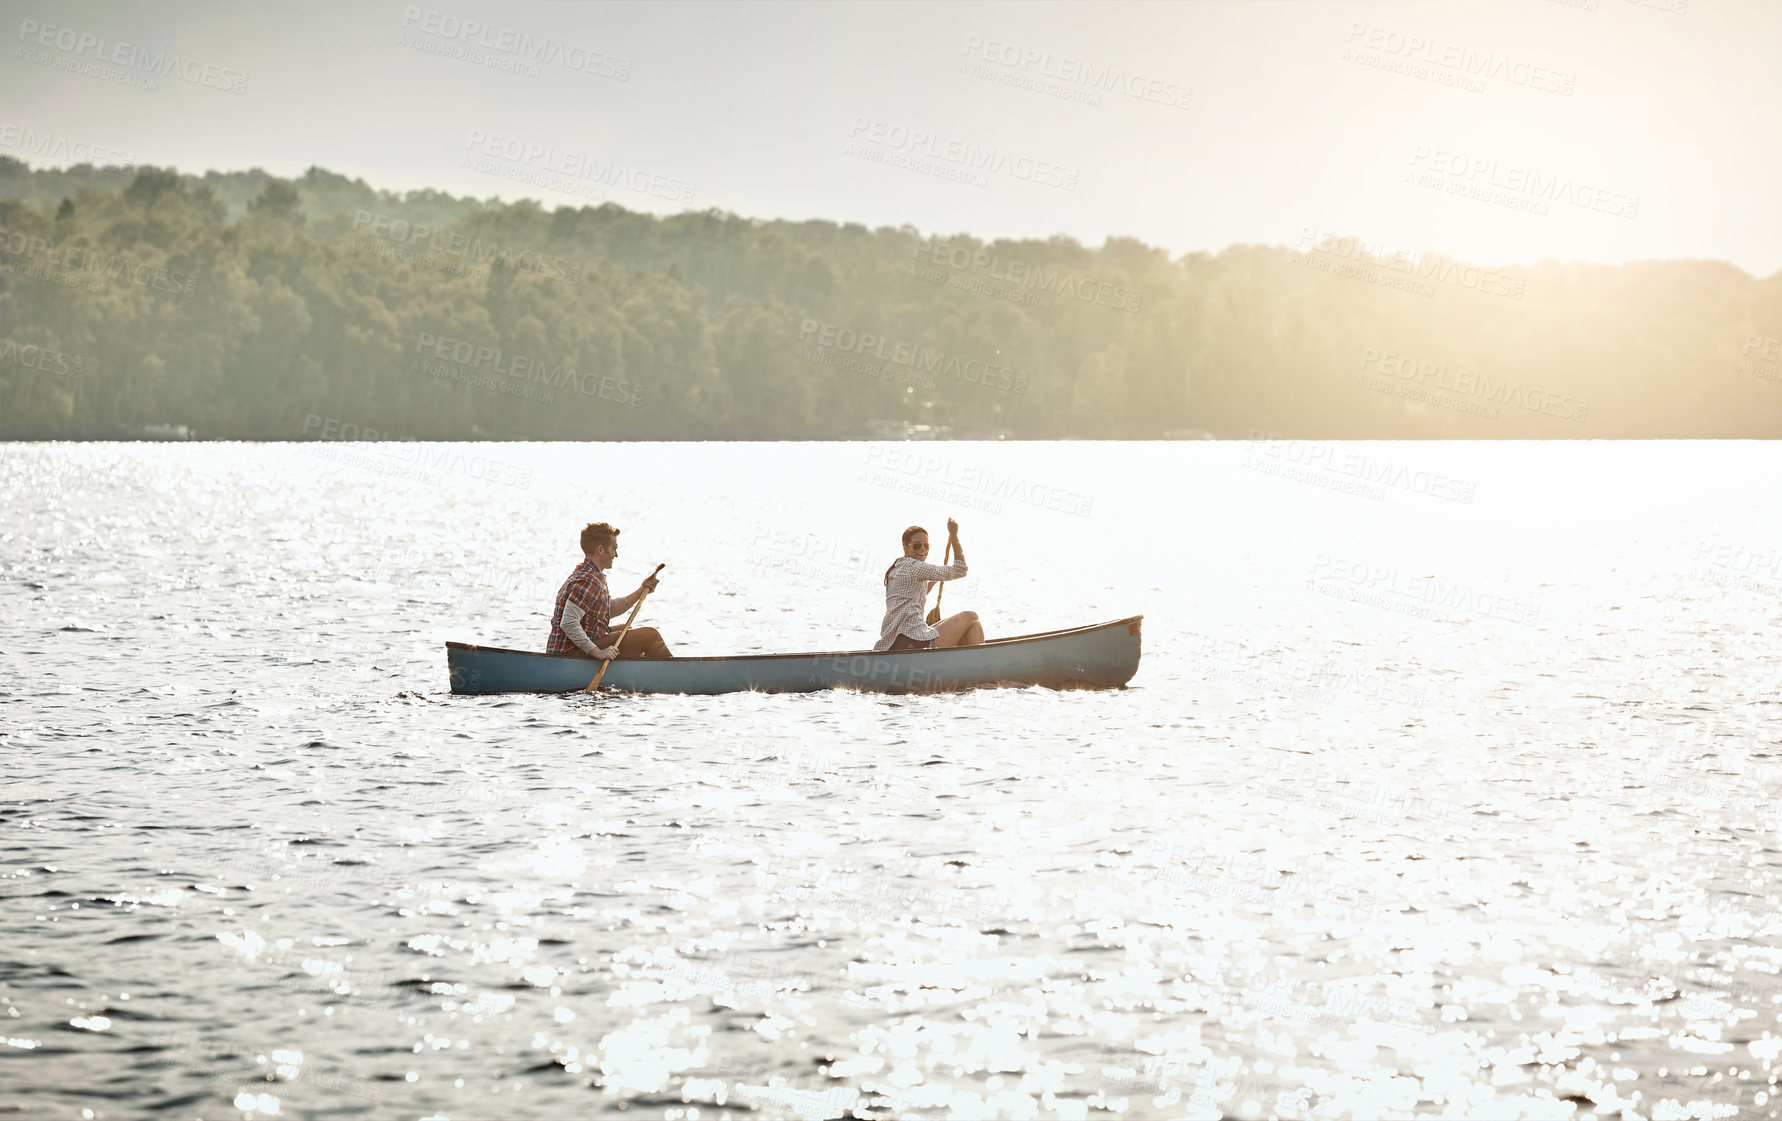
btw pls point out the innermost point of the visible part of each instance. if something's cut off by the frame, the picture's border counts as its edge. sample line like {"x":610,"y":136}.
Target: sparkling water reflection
{"x":1456,"y":801}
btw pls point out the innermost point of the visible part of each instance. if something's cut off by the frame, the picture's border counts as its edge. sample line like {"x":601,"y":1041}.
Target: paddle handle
{"x":595,"y":684}
{"x":934,"y":614}
{"x":946,"y":558}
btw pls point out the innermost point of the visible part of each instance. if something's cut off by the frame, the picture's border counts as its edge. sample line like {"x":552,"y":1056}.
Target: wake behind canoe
{"x":1103,"y":656}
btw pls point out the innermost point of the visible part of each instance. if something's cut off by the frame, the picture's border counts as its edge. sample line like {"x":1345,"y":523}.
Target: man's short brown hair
{"x":595,"y":534}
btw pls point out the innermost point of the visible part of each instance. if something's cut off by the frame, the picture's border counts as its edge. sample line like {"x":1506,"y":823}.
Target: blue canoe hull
{"x":1104,"y":656}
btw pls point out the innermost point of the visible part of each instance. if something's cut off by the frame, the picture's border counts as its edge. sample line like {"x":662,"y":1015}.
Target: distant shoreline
{"x":6,"y":440}
{"x":367,"y":315}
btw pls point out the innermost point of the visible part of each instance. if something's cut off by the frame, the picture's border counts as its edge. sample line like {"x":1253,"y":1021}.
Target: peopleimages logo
{"x":43,"y":359}
{"x":918,"y":358}
{"x":424,"y":239}
{"x":1465,"y":383}
{"x":1768,"y":364}
{"x":1528,"y":182}
{"x":1459,"y":61}
{"x":1424,"y":596}
{"x":474,"y":359}
{"x":56,"y":148}
{"x":1319,"y":249}
{"x":388,"y":454}
{"x":1069,"y":72}
{"x":966,"y":154}
{"x":917,"y":472}
{"x":1738,"y":565}
{"x":1063,"y":282}
{"x":1350,"y":471}
{"x":519,"y":47}
{"x":76,"y":259}
{"x":573,"y":167}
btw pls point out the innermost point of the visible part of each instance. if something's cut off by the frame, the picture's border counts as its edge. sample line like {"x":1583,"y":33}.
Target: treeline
{"x":244,"y":306}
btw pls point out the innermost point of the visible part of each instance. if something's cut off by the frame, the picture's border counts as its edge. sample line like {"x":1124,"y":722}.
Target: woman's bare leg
{"x":962,"y":629}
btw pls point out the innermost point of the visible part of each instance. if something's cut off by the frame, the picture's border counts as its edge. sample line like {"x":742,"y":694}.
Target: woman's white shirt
{"x":906,"y":597}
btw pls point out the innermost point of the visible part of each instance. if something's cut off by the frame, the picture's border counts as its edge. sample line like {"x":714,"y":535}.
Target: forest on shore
{"x":244,"y":306}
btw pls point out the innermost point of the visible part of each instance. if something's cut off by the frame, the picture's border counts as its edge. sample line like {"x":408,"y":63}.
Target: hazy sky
{"x":1601,"y":130}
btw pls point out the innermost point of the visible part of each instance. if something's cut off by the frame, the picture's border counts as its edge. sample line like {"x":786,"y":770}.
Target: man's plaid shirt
{"x":586,"y":589}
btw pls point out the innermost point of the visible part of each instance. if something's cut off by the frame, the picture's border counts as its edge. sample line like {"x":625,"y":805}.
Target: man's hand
{"x":606,"y":654}
{"x":649,"y":585}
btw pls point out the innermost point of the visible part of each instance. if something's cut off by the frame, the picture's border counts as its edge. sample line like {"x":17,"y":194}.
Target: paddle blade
{"x":934,"y":615}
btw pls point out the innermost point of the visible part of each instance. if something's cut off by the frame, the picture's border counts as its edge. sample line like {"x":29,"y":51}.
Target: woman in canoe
{"x":906,"y":594}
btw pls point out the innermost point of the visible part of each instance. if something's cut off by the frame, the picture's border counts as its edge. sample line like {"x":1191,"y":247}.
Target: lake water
{"x":1447,"y":786}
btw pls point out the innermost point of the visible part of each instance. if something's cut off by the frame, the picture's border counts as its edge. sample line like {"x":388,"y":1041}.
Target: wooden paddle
{"x":934,"y":612}
{"x":645,"y":594}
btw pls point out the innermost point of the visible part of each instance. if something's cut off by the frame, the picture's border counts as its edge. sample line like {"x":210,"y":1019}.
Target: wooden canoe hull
{"x":1103,"y":656}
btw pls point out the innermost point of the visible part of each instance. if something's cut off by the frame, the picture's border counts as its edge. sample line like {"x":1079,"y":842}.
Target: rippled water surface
{"x":1447,"y":786}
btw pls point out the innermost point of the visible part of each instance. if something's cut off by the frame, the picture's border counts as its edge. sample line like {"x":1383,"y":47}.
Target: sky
{"x":1590,"y":130}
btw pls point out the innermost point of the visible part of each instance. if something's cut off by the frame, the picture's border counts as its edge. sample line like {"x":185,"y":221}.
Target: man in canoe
{"x":906,"y":593}
{"x":583,"y":618}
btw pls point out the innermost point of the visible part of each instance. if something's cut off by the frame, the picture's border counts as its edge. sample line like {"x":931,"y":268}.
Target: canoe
{"x":1104,"y":656}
